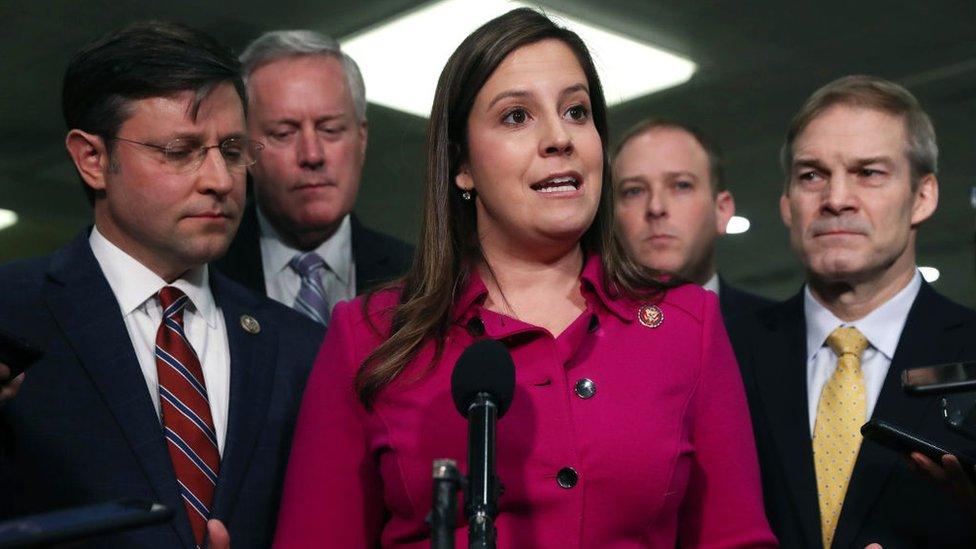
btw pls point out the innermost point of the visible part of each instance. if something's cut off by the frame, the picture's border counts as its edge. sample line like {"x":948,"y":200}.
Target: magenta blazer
{"x":656,"y":450}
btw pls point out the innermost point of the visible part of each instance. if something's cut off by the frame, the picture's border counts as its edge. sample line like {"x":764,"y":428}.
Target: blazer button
{"x":475,"y":327}
{"x":567,"y":477}
{"x":585,"y":388}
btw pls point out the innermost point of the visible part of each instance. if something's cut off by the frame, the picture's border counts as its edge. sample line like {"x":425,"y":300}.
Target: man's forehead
{"x":846,"y":125}
{"x":188,"y":108}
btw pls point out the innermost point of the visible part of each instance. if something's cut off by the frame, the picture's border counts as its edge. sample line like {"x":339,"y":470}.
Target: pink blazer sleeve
{"x":332,"y":495}
{"x":723,"y":506}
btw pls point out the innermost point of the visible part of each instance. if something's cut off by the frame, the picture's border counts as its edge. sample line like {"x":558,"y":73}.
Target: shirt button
{"x":585,"y":388}
{"x":567,"y":477}
{"x":475,"y":327}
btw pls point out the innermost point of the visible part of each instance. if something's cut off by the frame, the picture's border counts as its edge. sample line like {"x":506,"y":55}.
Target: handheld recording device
{"x":17,"y":353}
{"x":903,"y":442}
{"x":79,"y":523}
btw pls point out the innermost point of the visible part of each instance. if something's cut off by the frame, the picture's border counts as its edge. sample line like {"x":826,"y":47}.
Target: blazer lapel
{"x":82,"y":302}
{"x":781,"y":387}
{"x":923,"y":342}
{"x":253,"y":351}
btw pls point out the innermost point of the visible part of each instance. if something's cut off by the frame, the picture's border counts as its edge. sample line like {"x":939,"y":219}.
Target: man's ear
{"x":724,"y":210}
{"x":926,"y":199}
{"x":363,"y":137}
{"x":785,"y":213}
{"x":90,"y":155}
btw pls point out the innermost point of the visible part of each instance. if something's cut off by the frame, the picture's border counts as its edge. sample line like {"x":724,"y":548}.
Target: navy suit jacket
{"x":83,"y":428}
{"x":735,"y":302}
{"x":885,"y":502}
{"x":378,"y":257}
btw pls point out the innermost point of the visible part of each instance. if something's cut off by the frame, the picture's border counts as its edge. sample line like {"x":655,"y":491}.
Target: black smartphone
{"x":903,"y":442}
{"x":17,"y":353}
{"x":80,"y":523}
{"x":940,"y":379}
{"x":960,"y":413}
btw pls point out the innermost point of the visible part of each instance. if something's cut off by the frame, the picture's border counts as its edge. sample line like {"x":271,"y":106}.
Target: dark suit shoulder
{"x":736,"y":302}
{"x":379,"y":257}
{"x":293,"y":327}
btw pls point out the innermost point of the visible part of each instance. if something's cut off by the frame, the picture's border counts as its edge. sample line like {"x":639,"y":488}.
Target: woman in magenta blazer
{"x":629,"y":426}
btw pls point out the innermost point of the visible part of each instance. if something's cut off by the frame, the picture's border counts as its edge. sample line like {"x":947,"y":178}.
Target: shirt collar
{"x":882,"y":327}
{"x":133,"y":283}
{"x":712,"y":284}
{"x":335,"y":250}
{"x":591,"y":281}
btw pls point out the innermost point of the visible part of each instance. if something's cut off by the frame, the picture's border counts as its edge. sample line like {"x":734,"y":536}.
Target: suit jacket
{"x":378,"y":257}
{"x":885,"y":502}
{"x":735,"y":302}
{"x":83,"y":428}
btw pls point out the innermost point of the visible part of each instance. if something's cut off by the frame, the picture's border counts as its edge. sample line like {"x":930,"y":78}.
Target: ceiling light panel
{"x":401,"y":59}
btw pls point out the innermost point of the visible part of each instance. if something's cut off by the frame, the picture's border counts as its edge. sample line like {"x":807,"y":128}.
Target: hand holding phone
{"x":16,"y":355}
{"x":905,"y":443}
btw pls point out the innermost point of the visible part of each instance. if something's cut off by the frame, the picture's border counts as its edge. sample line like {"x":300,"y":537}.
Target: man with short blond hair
{"x":860,"y":159}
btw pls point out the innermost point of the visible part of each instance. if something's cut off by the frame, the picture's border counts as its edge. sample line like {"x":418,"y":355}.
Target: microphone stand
{"x":483,"y":487}
{"x":443,"y":514}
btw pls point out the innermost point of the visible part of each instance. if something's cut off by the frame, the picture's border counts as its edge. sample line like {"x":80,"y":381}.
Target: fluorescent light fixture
{"x":737,"y":225}
{"x":401,"y":59}
{"x":930,"y":274}
{"x":7,"y":218}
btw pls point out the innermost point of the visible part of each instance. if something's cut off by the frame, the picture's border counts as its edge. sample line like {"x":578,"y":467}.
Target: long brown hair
{"x":449,"y":244}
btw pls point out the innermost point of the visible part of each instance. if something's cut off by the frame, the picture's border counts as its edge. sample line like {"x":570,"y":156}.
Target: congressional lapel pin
{"x":250,"y":324}
{"x":650,"y":316}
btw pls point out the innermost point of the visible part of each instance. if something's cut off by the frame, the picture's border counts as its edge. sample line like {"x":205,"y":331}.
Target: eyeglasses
{"x":186,"y":155}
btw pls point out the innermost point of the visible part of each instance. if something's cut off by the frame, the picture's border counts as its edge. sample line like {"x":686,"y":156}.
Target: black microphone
{"x":482,"y":384}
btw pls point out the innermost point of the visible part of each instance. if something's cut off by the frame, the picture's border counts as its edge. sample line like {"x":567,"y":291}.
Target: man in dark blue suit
{"x":860,"y":160}
{"x":161,"y":379}
{"x":672,"y":204}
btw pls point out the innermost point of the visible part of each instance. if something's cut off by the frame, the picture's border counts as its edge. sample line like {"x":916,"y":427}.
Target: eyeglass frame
{"x":202,"y":151}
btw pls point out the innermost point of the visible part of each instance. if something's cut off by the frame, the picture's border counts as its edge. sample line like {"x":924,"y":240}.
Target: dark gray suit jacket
{"x":378,"y":257}
{"x":83,"y":428}
{"x":885,"y":502}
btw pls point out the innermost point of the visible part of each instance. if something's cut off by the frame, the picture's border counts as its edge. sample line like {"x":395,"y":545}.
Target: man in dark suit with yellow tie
{"x":860,"y":159}
{"x":161,"y":379}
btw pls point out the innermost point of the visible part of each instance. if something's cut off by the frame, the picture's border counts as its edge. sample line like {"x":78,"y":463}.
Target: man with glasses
{"x":161,"y":379}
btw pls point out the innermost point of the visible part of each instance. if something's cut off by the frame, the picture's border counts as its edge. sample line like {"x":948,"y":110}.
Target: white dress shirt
{"x":135,"y":288}
{"x":283,"y":283}
{"x":882,"y":327}
{"x":712,"y":284}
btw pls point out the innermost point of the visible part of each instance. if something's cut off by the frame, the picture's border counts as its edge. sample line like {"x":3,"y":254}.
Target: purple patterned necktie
{"x":311,"y":299}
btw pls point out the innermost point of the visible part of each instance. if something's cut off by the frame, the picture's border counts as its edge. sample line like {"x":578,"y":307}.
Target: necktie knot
{"x":306,"y":264}
{"x":847,"y":341}
{"x":172,"y":300}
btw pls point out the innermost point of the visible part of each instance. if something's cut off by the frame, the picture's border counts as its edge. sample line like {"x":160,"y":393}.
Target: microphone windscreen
{"x":484,"y":367}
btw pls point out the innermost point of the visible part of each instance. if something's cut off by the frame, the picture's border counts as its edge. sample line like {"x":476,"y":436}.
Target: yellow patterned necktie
{"x":837,"y":432}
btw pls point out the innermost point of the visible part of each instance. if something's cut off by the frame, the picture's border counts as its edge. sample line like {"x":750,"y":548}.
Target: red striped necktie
{"x":187,"y":422}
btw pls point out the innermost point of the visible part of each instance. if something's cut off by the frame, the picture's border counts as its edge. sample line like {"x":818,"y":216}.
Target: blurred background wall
{"x":757,"y":61}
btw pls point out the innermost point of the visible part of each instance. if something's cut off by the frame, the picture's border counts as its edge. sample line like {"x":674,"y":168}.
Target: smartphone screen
{"x":940,"y":379}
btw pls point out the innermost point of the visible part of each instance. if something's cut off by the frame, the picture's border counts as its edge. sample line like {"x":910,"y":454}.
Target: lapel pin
{"x":250,"y":324}
{"x":650,"y":316}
